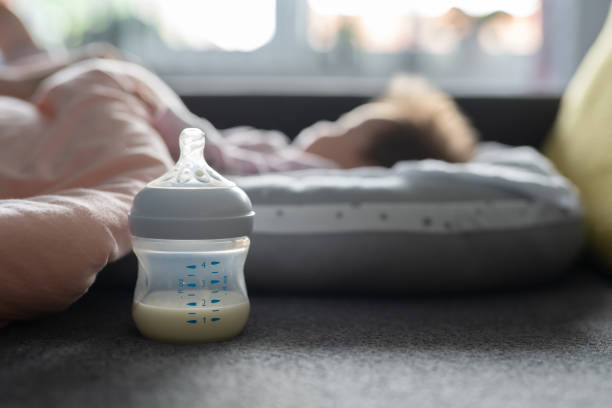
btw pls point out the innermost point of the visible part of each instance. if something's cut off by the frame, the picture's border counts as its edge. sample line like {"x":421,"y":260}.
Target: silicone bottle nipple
{"x":191,"y":169}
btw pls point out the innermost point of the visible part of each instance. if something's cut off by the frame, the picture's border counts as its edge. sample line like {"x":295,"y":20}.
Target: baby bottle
{"x":190,"y":231}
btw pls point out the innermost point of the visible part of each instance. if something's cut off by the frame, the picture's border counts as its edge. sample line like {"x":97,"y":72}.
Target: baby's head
{"x":412,"y":121}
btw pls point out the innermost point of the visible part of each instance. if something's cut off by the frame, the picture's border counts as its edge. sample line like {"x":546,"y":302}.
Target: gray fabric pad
{"x":477,"y":250}
{"x":405,"y":262}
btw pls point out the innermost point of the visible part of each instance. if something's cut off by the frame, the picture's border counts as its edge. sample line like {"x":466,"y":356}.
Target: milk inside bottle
{"x":190,"y":231}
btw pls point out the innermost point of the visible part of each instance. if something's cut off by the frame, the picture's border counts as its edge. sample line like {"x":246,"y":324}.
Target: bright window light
{"x":325,"y":46}
{"x":430,"y":8}
{"x":230,"y":25}
{"x":434,"y":27}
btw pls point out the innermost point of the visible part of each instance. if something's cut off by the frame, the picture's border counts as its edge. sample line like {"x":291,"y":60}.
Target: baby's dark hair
{"x":421,"y":122}
{"x":407,"y":141}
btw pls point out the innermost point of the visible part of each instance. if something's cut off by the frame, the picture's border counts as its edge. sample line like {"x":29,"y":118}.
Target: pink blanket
{"x":70,"y":164}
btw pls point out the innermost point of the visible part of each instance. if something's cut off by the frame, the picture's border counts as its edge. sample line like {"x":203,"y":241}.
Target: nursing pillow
{"x":505,"y":218}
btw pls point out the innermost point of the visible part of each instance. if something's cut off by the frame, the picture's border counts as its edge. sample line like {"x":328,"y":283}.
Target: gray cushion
{"x":505,"y":218}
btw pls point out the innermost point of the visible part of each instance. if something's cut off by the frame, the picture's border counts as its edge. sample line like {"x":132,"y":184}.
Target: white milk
{"x":181,"y":318}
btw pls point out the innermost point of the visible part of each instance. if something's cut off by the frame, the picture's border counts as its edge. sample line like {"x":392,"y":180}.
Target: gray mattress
{"x":541,"y":347}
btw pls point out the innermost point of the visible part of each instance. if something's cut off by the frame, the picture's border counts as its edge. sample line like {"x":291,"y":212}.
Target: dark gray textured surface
{"x":545,"y":347}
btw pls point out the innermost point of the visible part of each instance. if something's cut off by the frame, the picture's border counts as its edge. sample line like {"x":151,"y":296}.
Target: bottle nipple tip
{"x":191,"y":169}
{"x":191,"y":138}
{"x":193,"y":132}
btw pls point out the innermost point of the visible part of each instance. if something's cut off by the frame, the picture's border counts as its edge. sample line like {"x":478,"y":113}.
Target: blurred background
{"x":333,"y":47}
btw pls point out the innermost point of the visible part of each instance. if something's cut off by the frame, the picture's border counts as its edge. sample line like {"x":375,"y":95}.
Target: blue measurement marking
{"x":212,"y":282}
{"x":191,"y":313}
{"x":191,"y":274}
{"x":190,"y":266}
{"x":191,"y":294}
{"x":215,"y":291}
{"x":191,"y":285}
{"x":179,"y":291}
{"x":215,"y":272}
{"x":192,"y":321}
{"x":203,"y":264}
{"x":215,"y":310}
{"x":215,"y":263}
{"x":215,"y":300}
{"x":224,"y":288}
{"x":215,"y":319}
{"x":191,"y":304}
{"x":180,"y":282}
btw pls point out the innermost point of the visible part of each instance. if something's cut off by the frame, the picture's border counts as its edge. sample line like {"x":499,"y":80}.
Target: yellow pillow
{"x":580,"y":144}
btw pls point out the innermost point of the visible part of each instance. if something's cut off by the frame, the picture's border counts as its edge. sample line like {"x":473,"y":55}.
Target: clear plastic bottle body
{"x":190,"y":290}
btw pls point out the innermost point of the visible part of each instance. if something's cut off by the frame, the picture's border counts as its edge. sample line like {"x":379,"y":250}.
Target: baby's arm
{"x":240,"y":151}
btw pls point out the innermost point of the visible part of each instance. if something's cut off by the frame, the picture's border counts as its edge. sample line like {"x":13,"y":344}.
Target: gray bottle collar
{"x":191,"y":201}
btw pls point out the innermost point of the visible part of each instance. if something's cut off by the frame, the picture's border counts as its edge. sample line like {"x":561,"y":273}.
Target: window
{"x":334,"y":46}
